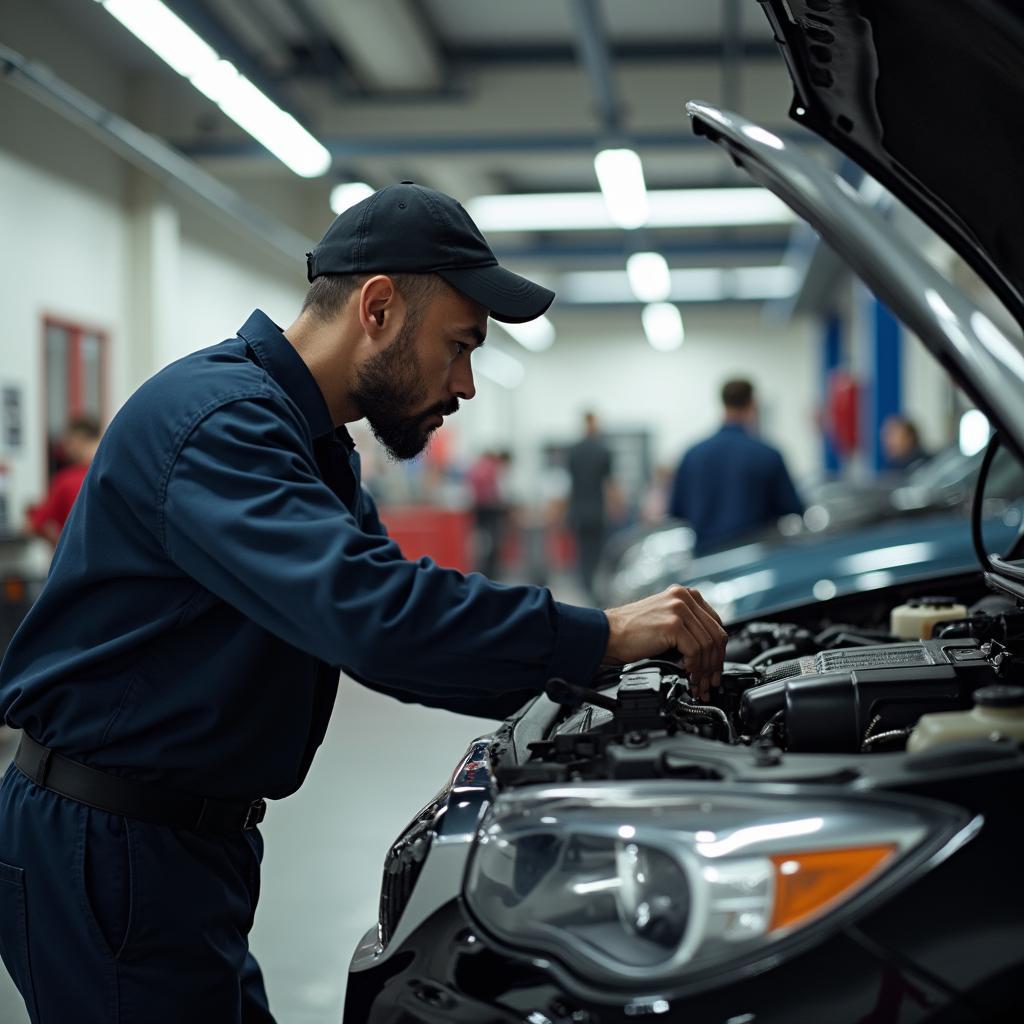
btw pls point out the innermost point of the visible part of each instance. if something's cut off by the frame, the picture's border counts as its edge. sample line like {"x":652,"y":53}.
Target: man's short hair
{"x":85,"y":426}
{"x":327,"y":295}
{"x":737,"y":394}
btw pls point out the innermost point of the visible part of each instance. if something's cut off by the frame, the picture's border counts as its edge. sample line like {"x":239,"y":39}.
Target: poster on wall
{"x":11,"y":432}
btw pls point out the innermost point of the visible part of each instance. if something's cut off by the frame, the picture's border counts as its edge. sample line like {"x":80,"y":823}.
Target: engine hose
{"x":890,"y":735}
{"x":707,"y":711}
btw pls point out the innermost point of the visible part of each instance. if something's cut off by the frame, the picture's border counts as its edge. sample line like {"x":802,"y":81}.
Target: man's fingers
{"x":722,"y":637}
{"x":696,"y":634}
{"x":700,"y":638}
{"x":714,"y":653}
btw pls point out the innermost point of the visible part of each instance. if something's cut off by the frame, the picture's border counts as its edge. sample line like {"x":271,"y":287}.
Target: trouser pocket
{"x":14,"y":933}
{"x":106,"y":865}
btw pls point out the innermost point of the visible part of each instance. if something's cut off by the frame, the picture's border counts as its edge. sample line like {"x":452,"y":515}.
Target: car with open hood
{"x":837,"y":834}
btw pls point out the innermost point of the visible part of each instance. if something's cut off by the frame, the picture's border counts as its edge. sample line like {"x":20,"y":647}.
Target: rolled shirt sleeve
{"x":246,"y":514}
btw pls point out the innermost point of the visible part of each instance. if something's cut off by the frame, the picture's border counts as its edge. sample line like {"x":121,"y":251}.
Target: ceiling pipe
{"x":592,"y":48}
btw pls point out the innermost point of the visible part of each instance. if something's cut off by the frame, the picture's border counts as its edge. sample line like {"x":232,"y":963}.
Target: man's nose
{"x":462,"y":383}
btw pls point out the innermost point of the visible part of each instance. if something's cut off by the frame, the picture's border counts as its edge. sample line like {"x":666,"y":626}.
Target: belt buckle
{"x":255,"y":813}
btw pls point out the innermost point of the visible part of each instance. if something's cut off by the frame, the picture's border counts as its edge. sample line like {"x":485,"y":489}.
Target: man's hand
{"x":676,"y":619}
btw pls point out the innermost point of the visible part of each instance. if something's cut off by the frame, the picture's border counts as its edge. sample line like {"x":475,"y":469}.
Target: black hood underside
{"x":929,"y":98}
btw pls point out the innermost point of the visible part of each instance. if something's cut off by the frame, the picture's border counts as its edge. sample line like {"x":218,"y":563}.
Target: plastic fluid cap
{"x":999,"y":697}
{"x":916,"y":619}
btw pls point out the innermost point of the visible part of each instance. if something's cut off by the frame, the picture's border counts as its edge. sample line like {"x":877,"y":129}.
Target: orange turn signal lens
{"x":806,"y":883}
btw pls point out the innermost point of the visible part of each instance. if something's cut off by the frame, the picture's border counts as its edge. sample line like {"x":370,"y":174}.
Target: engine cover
{"x":830,"y":699}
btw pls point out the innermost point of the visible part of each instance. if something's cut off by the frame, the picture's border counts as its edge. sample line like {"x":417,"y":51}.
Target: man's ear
{"x":378,"y":305}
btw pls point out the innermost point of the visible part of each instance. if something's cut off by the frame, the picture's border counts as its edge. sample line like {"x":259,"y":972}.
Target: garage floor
{"x":381,"y":761}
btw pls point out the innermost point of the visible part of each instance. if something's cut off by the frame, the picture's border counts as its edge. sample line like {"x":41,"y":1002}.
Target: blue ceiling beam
{"x":355,"y":147}
{"x":563,"y":304}
{"x":768,"y":250}
{"x":563,"y":53}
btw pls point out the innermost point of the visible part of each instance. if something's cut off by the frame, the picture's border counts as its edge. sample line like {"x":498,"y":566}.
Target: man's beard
{"x":387,"y":387}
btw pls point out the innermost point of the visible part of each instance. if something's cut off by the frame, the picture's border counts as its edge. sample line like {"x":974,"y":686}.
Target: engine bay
{"x":842,"y":686}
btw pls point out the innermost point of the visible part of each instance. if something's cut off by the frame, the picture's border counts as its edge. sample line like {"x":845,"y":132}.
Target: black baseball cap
{"x":410,"y":229}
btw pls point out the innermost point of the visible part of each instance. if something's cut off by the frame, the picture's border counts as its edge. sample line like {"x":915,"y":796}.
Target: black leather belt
{"x":130,"y":798}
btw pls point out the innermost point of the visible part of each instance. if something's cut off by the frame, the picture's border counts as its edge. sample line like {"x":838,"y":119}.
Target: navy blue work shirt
{"x":729,"y":485}
{"x":220,"y":566}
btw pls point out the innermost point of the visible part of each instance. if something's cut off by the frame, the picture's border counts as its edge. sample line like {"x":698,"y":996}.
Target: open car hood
{"x":980,"y":357}
{"x":930,"y":100}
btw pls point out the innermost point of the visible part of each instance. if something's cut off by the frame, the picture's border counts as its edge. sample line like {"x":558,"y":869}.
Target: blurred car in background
{"x":843,"y":519}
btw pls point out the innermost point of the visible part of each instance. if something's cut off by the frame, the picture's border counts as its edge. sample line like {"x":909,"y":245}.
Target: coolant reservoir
{"x":915,"y":619}
{"x":997,"y":711}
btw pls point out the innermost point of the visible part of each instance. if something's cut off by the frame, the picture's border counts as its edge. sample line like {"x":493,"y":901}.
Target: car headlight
{"x":646,"y":882}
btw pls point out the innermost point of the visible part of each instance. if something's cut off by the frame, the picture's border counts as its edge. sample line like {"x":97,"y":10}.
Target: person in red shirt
{"x":80,"y":441}
{"x":485,"y":482}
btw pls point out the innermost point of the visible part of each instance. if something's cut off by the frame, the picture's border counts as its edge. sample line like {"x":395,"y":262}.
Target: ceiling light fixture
{"x":667,"y":208}
{"x":663,"y":325}
{"x":349,"y":193}
{"x":649,"y":276}
{"x":154,"y":24}
{"x":621,"y":177}
{"x":535,"y":335}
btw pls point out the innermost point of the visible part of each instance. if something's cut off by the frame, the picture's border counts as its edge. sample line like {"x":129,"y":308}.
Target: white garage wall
{"x":221,"y":281}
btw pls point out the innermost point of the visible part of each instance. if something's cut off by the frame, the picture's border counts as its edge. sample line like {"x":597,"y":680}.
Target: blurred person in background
{"x":592,"y":498}
{"x":731,"y":483}
{"x":901,"y":444}
{"x":490,"y":508}
{"x":79,"y":443}
{"x":654,"y":500}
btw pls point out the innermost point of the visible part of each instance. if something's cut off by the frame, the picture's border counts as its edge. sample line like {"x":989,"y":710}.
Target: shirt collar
{"x":279,"y":358}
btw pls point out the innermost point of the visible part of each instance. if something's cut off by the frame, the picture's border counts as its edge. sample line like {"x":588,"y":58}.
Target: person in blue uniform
{"x":732,"y":483}
{"x":221,"y":566}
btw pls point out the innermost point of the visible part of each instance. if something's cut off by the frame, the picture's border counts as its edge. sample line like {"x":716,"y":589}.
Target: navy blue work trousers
{"x":108,"y":920}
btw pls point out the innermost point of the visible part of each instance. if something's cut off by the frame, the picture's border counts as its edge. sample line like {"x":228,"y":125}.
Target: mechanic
{"x":222,"y":565}
{"x":732,"y":482}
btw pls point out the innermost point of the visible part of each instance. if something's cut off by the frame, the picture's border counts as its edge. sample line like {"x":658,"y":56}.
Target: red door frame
{"x":76,"y":377}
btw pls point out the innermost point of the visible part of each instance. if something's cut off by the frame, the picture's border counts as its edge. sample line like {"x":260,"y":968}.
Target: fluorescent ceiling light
{"x":668,"y":208}
{"x":649,"y":277}
{"x":535,"y":335}
{"x":692,"y":284}
{"x":348,"y":194}
{"x":191,"y":56}
{"x":974,"y":432}
{"x":663,"y":325}
{"x":499,"y":366}
{"x":621,"y":177}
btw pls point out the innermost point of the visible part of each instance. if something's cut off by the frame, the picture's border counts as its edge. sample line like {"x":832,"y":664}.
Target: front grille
{"x":402,"y":868}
